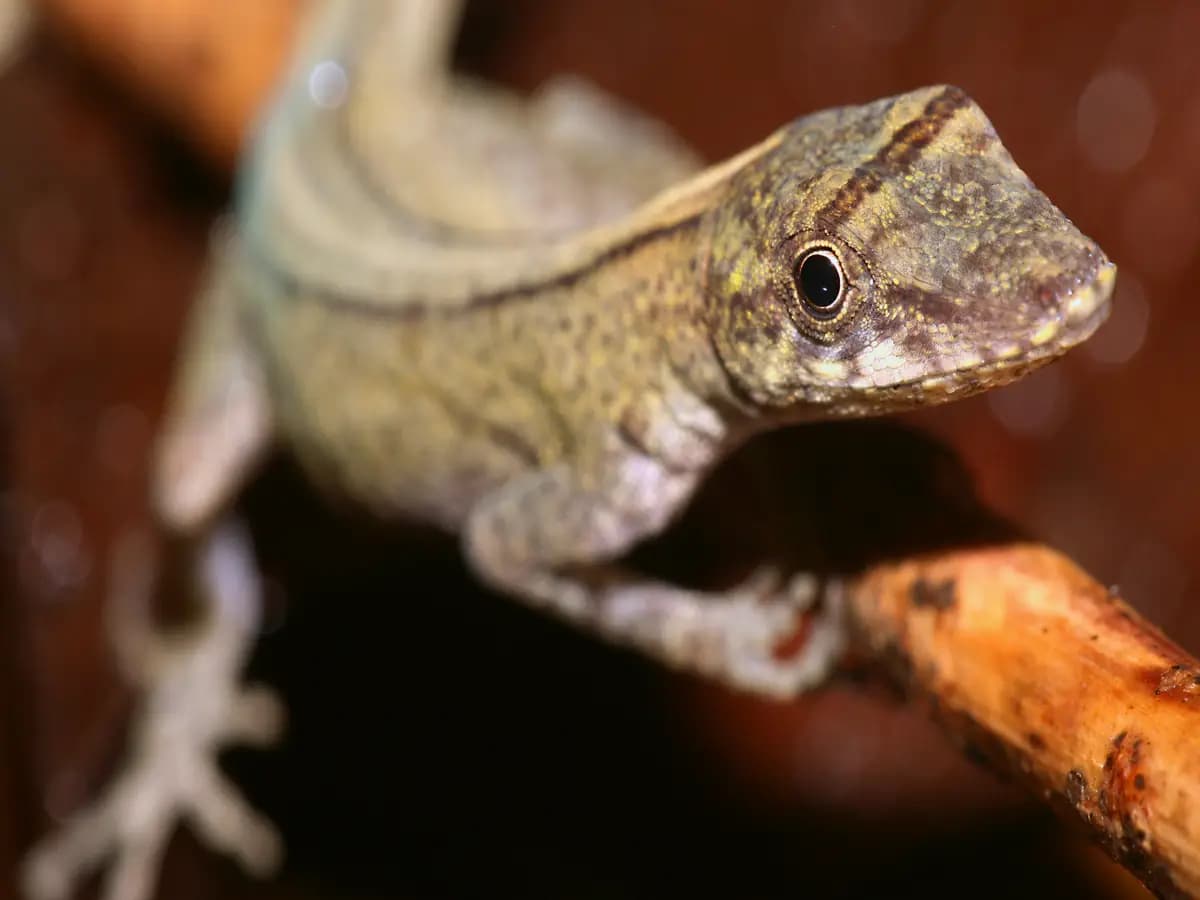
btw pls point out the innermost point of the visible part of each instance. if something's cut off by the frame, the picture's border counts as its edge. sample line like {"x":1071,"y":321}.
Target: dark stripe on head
{"x":898,"y":154}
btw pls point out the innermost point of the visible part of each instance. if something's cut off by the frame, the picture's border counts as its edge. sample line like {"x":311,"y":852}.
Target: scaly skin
{"x":532,"y":324}
{"x":962,"y":276}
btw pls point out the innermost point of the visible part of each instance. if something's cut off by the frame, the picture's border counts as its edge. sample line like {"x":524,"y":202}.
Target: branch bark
{"x":1029,"y":662}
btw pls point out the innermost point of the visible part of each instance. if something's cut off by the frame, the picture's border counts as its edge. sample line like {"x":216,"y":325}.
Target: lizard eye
{"x":820,"y":283}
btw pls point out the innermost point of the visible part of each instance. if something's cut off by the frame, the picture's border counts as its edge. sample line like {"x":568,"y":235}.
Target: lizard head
{"x":873,"y":258}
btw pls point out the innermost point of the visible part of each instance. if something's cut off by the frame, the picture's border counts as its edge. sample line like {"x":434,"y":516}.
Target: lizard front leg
{"x":550,"y":542}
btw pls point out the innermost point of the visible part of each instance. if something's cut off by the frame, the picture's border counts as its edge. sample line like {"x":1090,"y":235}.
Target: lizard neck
{"x":670,"y":320}
{"x":683,"y":299}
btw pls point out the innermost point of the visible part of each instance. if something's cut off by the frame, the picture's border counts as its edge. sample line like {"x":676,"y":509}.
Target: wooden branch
{"x":206,"y":67}
{"x":1027,"y":660}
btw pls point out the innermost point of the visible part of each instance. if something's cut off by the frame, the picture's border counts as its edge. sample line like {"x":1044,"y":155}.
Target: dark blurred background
{"x":445,"y":743}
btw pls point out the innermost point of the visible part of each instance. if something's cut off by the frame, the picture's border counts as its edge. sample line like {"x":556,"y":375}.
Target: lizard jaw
{"x":1076,"y":317}
{"x":1079,"y":314}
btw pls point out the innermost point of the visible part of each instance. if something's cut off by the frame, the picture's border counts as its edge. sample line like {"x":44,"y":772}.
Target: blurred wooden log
{"x":206,"y":66}
{"x":1029,"y":662}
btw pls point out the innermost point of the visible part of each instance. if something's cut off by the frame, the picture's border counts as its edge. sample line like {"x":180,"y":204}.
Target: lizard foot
{"x":781,"y":644}
{"x":764,"y":636}
{"x":192,"y":707}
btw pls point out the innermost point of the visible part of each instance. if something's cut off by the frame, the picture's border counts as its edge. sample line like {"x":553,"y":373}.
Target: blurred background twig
{"x":207,"y":67}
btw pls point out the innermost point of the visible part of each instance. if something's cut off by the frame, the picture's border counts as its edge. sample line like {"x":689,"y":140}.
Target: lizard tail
{"x":406,"y":44}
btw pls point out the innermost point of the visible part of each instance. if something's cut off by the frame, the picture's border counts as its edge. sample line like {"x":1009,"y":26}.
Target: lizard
{"x":537,"y":323}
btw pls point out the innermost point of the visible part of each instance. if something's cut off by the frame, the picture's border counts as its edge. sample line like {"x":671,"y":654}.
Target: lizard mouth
{"x":1076,"y":317}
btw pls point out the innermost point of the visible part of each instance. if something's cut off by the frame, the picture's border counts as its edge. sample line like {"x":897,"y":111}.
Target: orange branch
{"x":205,"y":66}
{"x":1027,"y":659}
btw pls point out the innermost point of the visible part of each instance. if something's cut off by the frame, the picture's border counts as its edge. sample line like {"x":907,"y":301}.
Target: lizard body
{"x":530,"y":338}
{"x":538,"y":324}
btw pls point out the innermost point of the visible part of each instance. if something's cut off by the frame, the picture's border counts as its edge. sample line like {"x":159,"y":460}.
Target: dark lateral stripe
{"x":898,"y":154}
{"x":416,"y":307}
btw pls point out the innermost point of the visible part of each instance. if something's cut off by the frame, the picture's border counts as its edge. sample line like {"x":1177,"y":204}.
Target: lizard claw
{"x":767,"y":584}
{"x":802,"y":590}
{"x":193,"y":707}
{"x":760,"y":584}
{"x":764,"y":622}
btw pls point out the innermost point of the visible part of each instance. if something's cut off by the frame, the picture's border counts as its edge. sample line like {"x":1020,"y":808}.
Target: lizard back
{"x":370,"y":182}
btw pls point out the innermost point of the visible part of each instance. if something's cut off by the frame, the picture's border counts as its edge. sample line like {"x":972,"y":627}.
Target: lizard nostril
{"x":1089,"y":301}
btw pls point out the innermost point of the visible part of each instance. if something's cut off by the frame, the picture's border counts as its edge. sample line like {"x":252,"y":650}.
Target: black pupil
{"x":820,"y":280}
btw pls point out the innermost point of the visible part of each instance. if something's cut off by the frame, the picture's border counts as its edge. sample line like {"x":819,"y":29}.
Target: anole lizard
{"x":535,"y":324}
